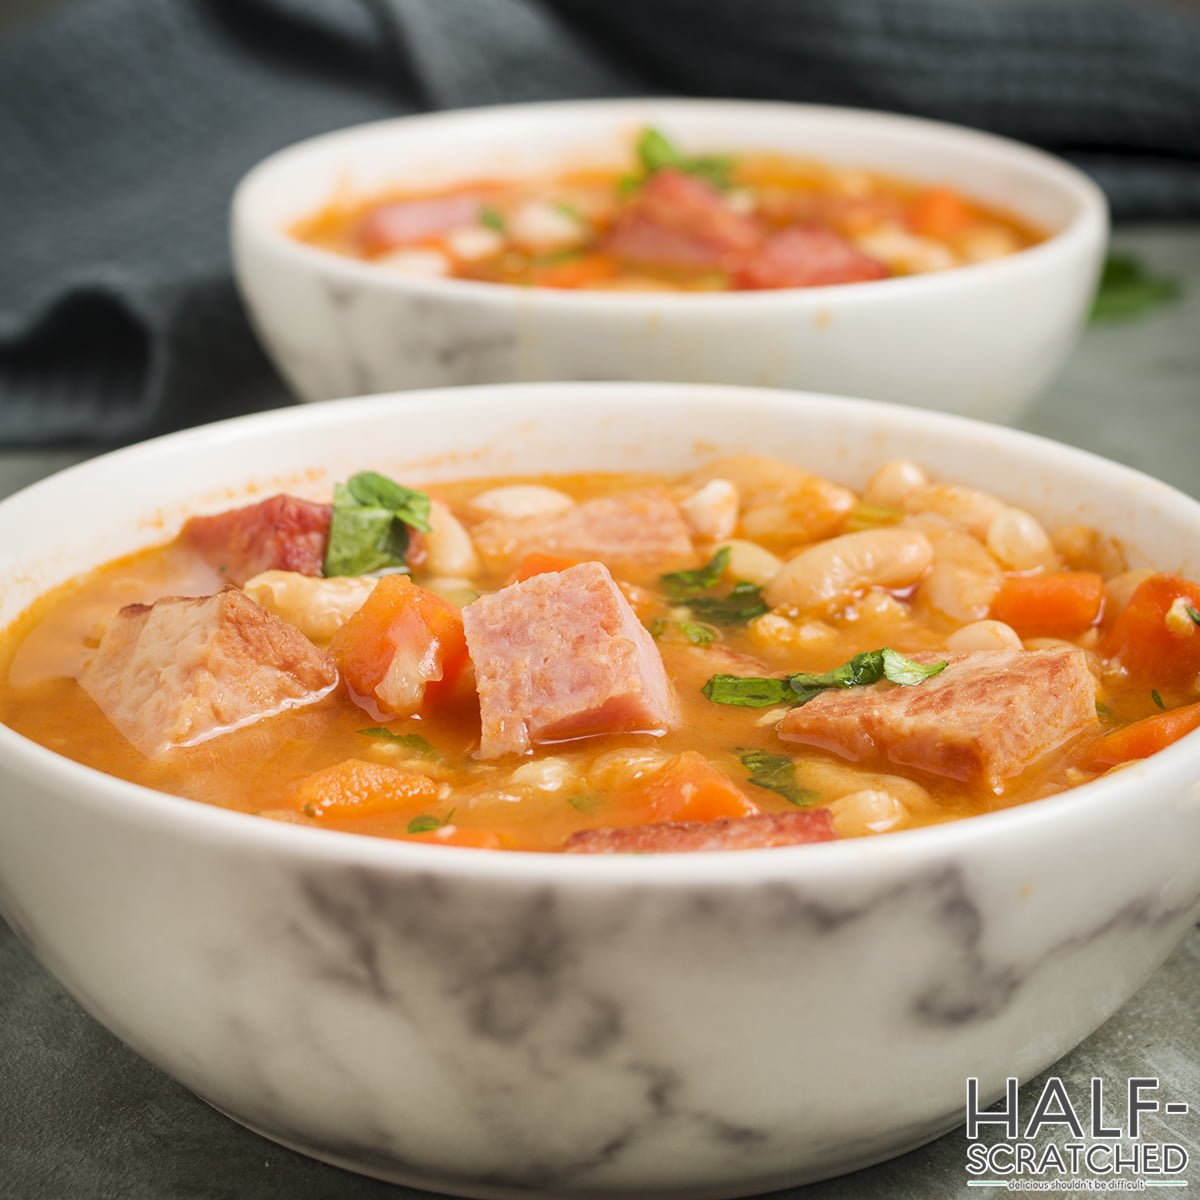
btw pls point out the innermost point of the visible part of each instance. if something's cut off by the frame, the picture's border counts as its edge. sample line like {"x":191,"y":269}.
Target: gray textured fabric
{"x":125,"y":123}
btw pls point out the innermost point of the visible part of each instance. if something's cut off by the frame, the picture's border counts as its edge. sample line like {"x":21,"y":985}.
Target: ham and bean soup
{"x":675,"y":222}
{"x":746,"y":656}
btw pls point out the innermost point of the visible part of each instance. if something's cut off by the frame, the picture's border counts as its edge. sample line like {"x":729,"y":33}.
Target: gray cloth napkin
{"x":124,"y":125}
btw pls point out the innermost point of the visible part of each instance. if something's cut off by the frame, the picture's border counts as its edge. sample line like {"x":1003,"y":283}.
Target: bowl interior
{"x":522,"y":140}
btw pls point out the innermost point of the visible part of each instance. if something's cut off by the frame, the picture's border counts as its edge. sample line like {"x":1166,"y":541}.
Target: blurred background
{"x":124,"y":125}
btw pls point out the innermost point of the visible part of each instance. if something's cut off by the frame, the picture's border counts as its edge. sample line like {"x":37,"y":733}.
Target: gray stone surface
{"x":82,"y":1118}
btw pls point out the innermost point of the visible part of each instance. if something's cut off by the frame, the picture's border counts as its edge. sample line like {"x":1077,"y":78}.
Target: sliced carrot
{"x":536,"y":563}
{"x":690,"y":788}
{"x":1145,"y":737}
{"x":358,"y":788}
{"x":1060,"y":605}
{"x":574,"y":272}
{"x":939,"y":212}
{"x":405,"y":627}
{"x":1151,"y":645}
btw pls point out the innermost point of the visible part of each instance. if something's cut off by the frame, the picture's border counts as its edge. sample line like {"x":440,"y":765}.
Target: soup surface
{"x":674,"y":222}
{"x":746,"y":656}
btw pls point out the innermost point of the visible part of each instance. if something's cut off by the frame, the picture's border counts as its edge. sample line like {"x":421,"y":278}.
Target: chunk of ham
{"x":640,"y":531}
{"x":282,"y":533}
{"x":674,"y":837}
{"x":677,"y":220}
{"x":986,"y":718}
{"x":806,"y":257}
{"x":184,"y":669}
{"x":410,"y":222}
{"x":563,"y":655}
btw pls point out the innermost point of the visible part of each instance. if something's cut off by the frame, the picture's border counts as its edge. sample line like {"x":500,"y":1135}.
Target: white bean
{"x":544,"y":775}
{"x":871,"y":810}
{"x":751,"y":562}
{"x":616,"y":769}
{"x":964,"y":578}
{"x":425,"y":264}
{"x":974,"y":509}
{"x":984,"y":635}
{"x":893,"y":481}
{"x":315,"y":606}
{"x":521,"y":500}
{"x":826,"y":576}
{"x":904,"y":251}
{"x":539,"y":226}
{"x":1018,"y":541}
{"x":448,"y":546}
{"x":472,"y":242}
{"x":1118,"y":590}
{"x":712,"y":511}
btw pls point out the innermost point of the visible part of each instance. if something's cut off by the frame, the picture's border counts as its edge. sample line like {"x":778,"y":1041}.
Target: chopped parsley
{"x":490,"y":218}
{"x":586,"y":803}
{"x":794,"y":690}
{"x":369,"y":529}
{"x":1128,"y":289}
{"x":777,"y":773}
{"x":569,"y":210}
{"x":656,"y":151}
{"x":427,"y":822}
{"x":698,"y":635}
{"x":1191,"y":612}
{"x":742,"y":603}
{"x":1158,"y":700}
{"x":407,"y":741}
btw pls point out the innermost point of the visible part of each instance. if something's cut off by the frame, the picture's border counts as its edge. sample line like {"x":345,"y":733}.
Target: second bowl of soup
{"x":723,"y":241}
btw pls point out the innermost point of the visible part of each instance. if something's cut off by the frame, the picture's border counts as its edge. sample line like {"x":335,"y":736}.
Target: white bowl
{"x":499,"y":1023}
{"x":979,"y":340}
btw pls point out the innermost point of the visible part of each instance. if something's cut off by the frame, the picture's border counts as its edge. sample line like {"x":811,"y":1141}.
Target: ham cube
{"x":563,"y":655}
{"x":410,"y":222}
{"x":742,"y":833}
{"x":807,"y":257}
{"x":986,"y":718}
{"x":183,"y":670}
{"x":677,"y":220}
{"x":279,"y":534}
{"x":638,"y":532}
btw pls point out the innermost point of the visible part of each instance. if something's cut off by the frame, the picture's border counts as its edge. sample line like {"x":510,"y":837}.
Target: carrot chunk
{"x":357,"y":788}
{"x":1063,"y":605}
{"x":1145,"y":737}
{"x":536,"y":563}
{"x":1156,"y":639}
{"x":690,"y":788}
{"x":403,"y":649}
{"x":939,"y":212}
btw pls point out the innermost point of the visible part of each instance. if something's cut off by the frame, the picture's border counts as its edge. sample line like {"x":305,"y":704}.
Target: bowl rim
{"x":1088,"y":226}
{"x":907,"y":848}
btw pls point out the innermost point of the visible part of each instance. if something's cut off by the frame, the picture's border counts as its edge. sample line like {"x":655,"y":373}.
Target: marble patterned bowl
{"x":979,"y":340}
{"x":499,"y":1024}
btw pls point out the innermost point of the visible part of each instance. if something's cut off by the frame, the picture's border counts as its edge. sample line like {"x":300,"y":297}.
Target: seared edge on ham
{"x":185,"y":669}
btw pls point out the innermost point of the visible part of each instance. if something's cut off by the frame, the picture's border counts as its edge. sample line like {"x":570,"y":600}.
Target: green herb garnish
{"x":369,"y":528}
{"x":427,"y":822}
{"x":491,"y":218}
{"x":656,"y":151}
{"x":1103,"y":711}
{"x":742,"y":603}
{"x":698,"y":635}
{"x":1128,"y":289}
{"x":1157,"y":698}
{"x":586,"y":803}
{"x":569,"y":210}
{"x":794,"y":690}
{"x":777,"y":773}
{"x":1191,"y":612}
{"x":408,"y":741}
{"x":683,"y":585}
